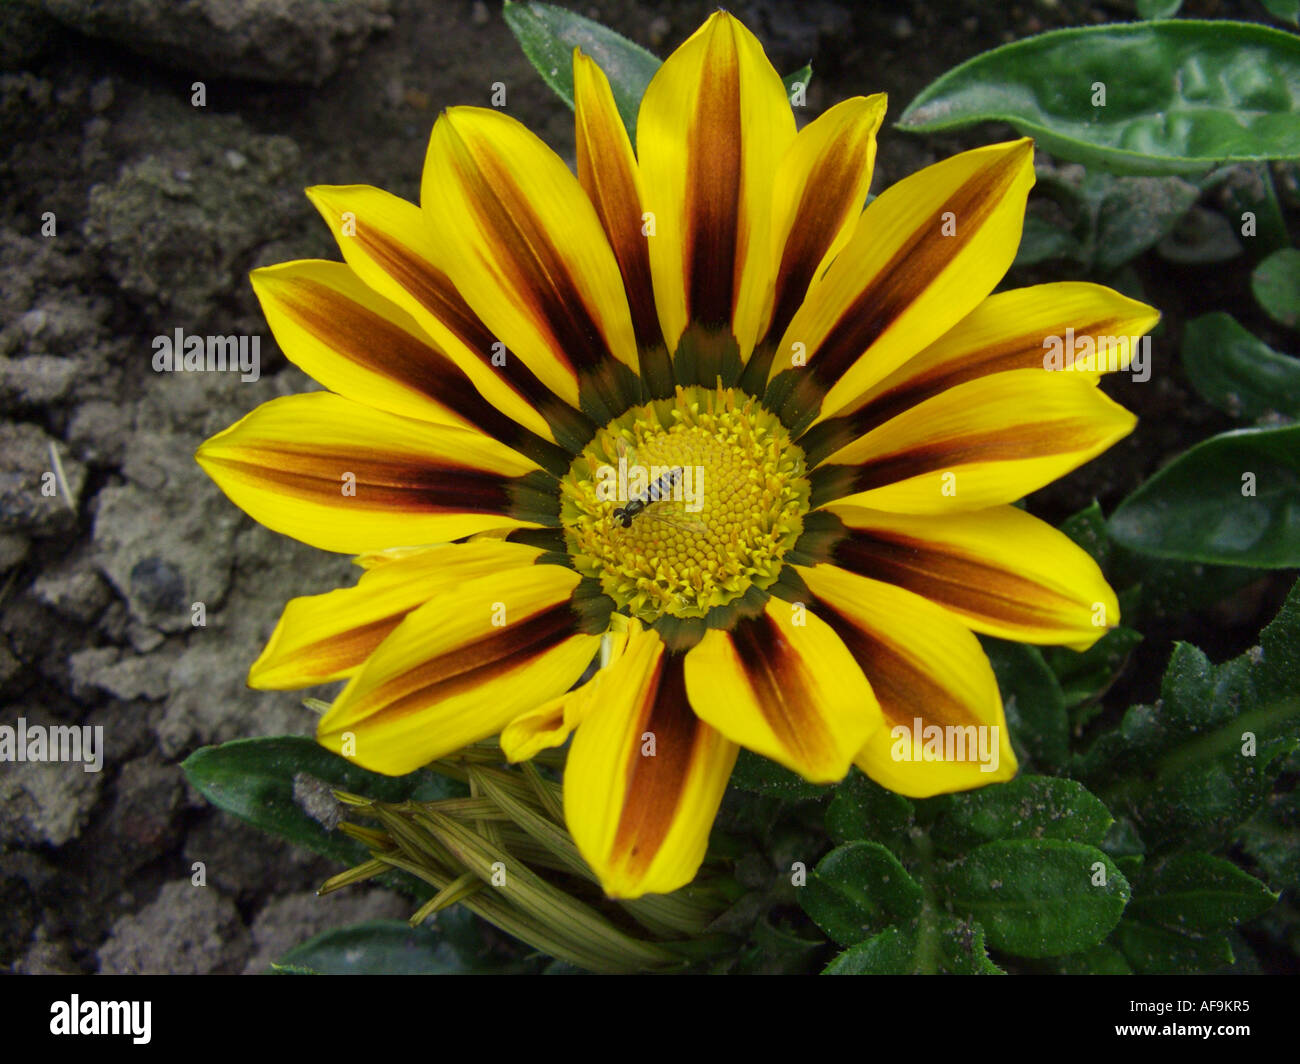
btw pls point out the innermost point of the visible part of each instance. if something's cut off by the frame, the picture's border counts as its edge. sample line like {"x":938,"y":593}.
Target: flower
{"x":839,"y":409}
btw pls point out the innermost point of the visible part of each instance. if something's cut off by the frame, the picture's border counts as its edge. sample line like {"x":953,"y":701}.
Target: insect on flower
{"x":864,"y":408}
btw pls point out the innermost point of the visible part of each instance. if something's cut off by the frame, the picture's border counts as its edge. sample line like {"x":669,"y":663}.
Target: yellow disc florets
{"x":684,"y":503}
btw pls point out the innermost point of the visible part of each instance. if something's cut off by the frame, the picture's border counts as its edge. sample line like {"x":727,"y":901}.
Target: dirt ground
{"x":159,"y":209}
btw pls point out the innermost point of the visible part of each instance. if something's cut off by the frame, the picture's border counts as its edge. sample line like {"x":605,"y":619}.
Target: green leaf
{"x":1040,"y":241}
{"x":378,"y":947}
{"x":1249,"y":188}
{"x":1033,"y":702}
{"x":548,"y":35}
{"x":1099,"y":960}
{"x":1087,"y":675}
{"x":1238,"y":373}
{"x":1131,"y":214}
{"x":282,"y":785}
{"x":1088,"y":529}
{"x":800,"y":77}
{"x":1158,"y":8}
{"x":1181,"y":96}
{"x":1189,"y":772}
{"x":1027,"y":807}
{"x":858,"y":889}
{"x":1039,"y":897}
{"x":892,"y":952}
{"x":1276,"y":284}
{"x":761,"y":776}
{"x":862,"y":809}
{"x":1198,"y":892}
{"x":1232,"y":500}
{"x":1159,"y":951}
{"x":1284,"y":10}
{"x":1270,"y":839}
{"x":934,"y":943}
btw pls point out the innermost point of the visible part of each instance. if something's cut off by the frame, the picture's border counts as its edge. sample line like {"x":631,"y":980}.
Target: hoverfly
{"x":659,"y":490}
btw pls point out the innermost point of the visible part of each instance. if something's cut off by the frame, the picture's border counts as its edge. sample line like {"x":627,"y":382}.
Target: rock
{"x":33,"y":498}
{"x":73,"y":588}
{"x":127,"y":676}
{"x":26,"y":34}
{"x":13,"y":549}
{"x":37,"y":380}
{"x":178,"y":228}
{"x":290,"y":921}
{"x":144,"y":821}
{"x":170,"y":547}
{"x":302,"y":41}
{"x":187,"y":930}
{"x":43,"y":803}
{"x":247,"y":863}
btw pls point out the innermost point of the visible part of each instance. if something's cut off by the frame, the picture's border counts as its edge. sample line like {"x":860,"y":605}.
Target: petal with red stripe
{"x":645,"y":776}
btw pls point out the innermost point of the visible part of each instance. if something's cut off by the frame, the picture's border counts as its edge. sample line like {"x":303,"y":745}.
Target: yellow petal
{"x":607,"y":170}
{"x":714,"y":124}
{"x":989,"y":441}
{"x":783,"y":685}
{"x":322,"y":638}
{"x":358,"y":344}
{"x":1002,"y":571}
{"x":346,"y":477}
{"x":528,"y":252}
{"x":644,"y":777}
{"x":944,"y":729}
{"x":551,"y":723}
{"x":821,"y":186}
{"x":460,"y":668}
{"x":390,"y":247}
{"x":923,"y":255}
{"x":1020,"y":329}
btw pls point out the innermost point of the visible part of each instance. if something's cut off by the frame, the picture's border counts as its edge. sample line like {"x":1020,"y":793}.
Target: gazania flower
{"x":839,"y":411}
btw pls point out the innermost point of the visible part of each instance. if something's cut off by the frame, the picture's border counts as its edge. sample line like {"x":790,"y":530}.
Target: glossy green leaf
{"x":1198,"y":892}
{"x":857,"y":890}
{"x":1027,"y":807}
{"x":282,"y":785}
{"x":1231,"y":500}
{"x":1032,"y":699}
{"x":1276,"y":284}
{"x":862,"y":809}
{"x":1181,"y":96}
{"x":548,"y":35}
{"x":1039,"y":897}
{"x":1237,"y":372}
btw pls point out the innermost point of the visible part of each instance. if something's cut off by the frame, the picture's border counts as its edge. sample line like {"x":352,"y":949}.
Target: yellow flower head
{"x":693,"y":411}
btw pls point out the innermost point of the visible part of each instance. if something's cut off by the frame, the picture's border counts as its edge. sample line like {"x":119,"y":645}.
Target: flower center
{"x":678,"y":506}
